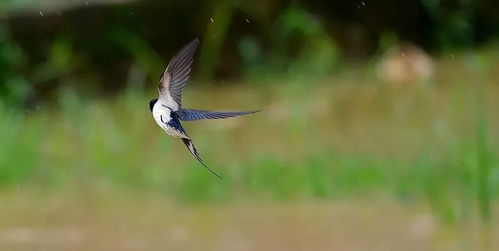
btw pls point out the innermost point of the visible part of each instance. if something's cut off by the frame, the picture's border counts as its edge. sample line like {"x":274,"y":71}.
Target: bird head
{"x":152,"y":102}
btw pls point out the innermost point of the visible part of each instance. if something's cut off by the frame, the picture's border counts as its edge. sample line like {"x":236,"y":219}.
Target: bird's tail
{"x":195,"y":153}
{"x":192,"y":114}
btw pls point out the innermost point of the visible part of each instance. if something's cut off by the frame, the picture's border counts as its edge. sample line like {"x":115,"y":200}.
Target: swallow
{"x":167,"y":109}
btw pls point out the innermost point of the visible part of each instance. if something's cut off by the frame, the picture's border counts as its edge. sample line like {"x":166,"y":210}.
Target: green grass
{"x":344,"y":137}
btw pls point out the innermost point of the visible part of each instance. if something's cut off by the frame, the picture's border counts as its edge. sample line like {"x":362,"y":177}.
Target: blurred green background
{"x":379,"y":127}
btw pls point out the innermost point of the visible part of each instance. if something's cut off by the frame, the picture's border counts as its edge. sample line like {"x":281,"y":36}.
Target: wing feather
{"x":191,"y":114}
{"x":176,"y":75}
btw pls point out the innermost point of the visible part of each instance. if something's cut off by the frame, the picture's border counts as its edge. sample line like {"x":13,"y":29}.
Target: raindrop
{"x":41,"y":13}
{"x":403,"y":54}
{"x":362,"y":4}
{"x":247,"y":20}
{"x":211,"y":19}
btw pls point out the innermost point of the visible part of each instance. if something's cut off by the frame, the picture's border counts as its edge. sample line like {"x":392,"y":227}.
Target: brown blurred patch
{"x":405,"y":64}
{"x":119,"y":222}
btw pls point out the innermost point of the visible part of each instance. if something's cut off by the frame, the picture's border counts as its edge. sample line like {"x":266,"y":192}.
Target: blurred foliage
{"x":14,"y":86}
{"x":301,"y":50}
{"x":49,"y":44}
{"x":355,"y":139}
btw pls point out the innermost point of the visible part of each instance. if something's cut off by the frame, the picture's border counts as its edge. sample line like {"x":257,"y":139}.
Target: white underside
{"x":162,"y":115}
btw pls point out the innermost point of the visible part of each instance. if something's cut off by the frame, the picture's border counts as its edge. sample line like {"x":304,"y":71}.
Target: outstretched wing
{"x":175,"y":77}
{"x":195,"y":153}
{"x":191,"y":114}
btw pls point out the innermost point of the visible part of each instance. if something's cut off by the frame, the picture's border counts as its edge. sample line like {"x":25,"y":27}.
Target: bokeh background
{"x":379,"y":127}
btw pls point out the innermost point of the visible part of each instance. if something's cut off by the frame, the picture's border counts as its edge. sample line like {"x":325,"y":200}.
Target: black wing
{"x":191,"y":114}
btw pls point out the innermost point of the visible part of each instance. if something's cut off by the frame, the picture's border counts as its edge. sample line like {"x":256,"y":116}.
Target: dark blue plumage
{"x":192,"y":114}
{"x":175,"y":123}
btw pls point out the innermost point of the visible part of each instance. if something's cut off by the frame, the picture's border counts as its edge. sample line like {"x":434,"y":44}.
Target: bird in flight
{"x":167,"y":108}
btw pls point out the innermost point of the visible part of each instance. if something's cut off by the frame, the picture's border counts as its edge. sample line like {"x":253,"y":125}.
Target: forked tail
{"x":195,"y":153}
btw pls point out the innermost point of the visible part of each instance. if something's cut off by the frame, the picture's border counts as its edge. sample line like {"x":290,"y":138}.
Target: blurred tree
{"x":13,"y":85}
{"x":46,"y":44}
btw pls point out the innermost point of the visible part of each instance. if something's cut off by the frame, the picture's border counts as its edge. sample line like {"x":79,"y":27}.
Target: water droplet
{"x":403,"y":54}
{"x":211,"y":19}
{"x":247,"y":20}
{"x":361,"y":5}
{"x":41,"y":13}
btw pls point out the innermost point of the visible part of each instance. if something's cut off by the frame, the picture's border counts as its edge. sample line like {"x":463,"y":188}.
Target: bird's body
{"x":167,"y":109}
{"x":167,"y":120}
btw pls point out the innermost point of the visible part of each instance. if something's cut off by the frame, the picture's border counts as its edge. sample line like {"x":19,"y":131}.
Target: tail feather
{"x":192,"y":114}
{"x":195,"y":153}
